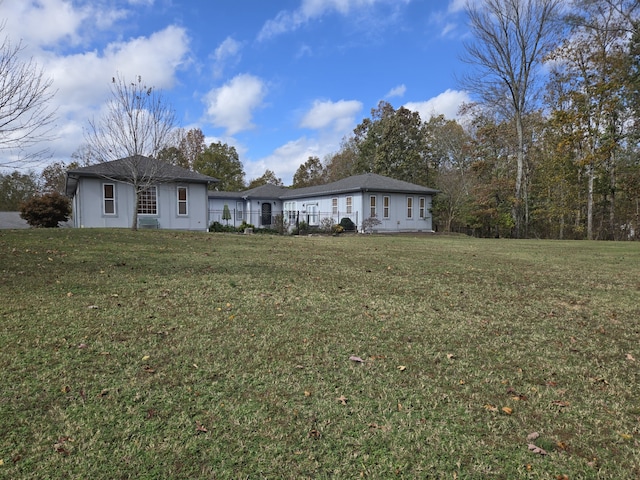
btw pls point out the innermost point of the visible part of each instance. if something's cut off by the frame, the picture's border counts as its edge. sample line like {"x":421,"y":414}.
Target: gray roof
{"x":121,"y":169}
{"x":367,"y":182}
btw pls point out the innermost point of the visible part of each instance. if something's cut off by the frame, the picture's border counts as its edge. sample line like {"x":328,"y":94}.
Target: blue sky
{"x":280,"y":80}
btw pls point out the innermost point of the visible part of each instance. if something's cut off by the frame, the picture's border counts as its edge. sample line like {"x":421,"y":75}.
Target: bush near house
{"x":46,"y":211}
{"x":347,"y":224}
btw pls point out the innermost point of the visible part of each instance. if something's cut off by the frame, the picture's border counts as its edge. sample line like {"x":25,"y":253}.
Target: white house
{"x":399,"y":206}
{"x":173,"y":197}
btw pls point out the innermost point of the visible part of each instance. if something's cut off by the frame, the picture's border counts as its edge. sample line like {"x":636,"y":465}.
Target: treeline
{"x":550,"y":149}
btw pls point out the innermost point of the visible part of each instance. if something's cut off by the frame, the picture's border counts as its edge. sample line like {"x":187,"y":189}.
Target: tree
{"x":25,"y":95}
{"x":46,"y":211}
{"x":184,"y":148}
{"x":137,"y":124}
{"x":192,"y":146}
{"x":16,"y":188}
{"x":54,"y":176}
{"x":221,"y":161}
{"x":588,"y":94}
{"x":310,"y":173}
{"x":344,"y":163}
{"x":450,"y":151}
{"x":392,"y":143}
{"x":512,"y":38}
{"x":268,"y":177}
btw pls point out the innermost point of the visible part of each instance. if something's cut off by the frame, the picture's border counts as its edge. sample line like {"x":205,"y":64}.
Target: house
{"x":399,"y":206}
{"x":171,"y":197}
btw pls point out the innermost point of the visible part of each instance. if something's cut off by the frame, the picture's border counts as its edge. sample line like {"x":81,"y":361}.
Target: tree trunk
{"x":517,"y":207}
{"x":591,"y":177}
{"x":134,"y":221}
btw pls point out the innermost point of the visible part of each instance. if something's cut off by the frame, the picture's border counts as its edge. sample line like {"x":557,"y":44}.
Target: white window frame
{"x":373,"y":206}
{"x":409,"y":207}
{"x":334,"y":206}
{"x":386,"y":202}
{"x":111,"y":199}
{"x":184,"y":202}
{"x":422,"y":208}
{"x":152,"y":207}
{"x":349,"y":201}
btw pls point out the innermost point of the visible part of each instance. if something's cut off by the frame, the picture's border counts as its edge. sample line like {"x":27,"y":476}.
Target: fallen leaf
{"x":537,"y":450}
{"x":1,"y":462}
{"x":93,"y":307}
{"x":145,"y":358}
{"x":630,"y":357}
{"x":66,"y":389}
{"x":148,"y":369}
{"x":103,"y":393}
{"x":69,"y":294}
{"x":560,"y":403}
{"x":450,"y":356}
{"x":491,"y":408}
{"x":342,"y":399}
{"x":507,"y":410}
{"x":353,"y":358}
{"x":314,"y":433}
{"x":307,"y":393}
{"x":402,"y":368}
{"x":532,"y":436}
{"x":200,"y":428}
{"x":82,"y":345}
{"x":626,"y":436}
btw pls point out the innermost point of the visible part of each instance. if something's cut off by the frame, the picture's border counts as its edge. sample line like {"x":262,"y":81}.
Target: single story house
{"x":171,"y":197}
{"x":399,"y":206}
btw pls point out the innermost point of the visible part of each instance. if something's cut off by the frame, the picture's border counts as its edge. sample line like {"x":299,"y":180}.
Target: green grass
{"x":115,"y":347}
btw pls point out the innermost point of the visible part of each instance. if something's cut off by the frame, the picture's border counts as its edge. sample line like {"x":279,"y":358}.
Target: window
{"x":349,"y":205}
{"x":372,"y":206}
{"x":422,"y":205}
{"x":148,"y":201}
{"x":334,"y":206}
{"x":109,"y":198}
{"x":290,"y":211}
{"x":409,"y":207}
{"x":182,"y":200}
{"x":385,"y":207}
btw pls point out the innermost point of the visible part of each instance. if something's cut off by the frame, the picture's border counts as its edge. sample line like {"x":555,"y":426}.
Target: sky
{"x":280,"y":80}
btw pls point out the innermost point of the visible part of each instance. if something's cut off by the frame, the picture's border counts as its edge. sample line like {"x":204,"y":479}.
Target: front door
{"x":266,"y":214}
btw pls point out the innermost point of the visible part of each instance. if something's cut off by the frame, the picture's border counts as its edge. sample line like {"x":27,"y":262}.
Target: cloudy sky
{"x":281,"y":80}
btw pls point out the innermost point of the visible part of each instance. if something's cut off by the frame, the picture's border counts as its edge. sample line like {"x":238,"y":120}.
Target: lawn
{"x":158,"y":354}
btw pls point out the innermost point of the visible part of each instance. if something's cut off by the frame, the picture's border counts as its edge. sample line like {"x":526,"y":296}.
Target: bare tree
{"x":137,"y":125}
{"x":25,"y":115}
{"x":512,"y":38}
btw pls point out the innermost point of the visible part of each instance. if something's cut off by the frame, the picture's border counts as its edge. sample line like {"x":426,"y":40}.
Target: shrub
{"x":347,"y":224}
{"x":244,"y":225}
{"x":326,"y":225}
{"x":280,"y":224}
{"x":46,"y":211}
{"x":337,"y":229}
{"x":218,"y":227}
{"x":301,"y":229}
{"x":369,"y":223}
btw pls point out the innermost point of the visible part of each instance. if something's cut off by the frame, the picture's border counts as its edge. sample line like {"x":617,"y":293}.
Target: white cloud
{"x":83,"y":79}
{"x":287,"y":20}
{"x":231,"y":106}
{"x":227,"y":51}
{"x":447,"y":104}
{"x":339,"y":115}
{"x":398,"y":91}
